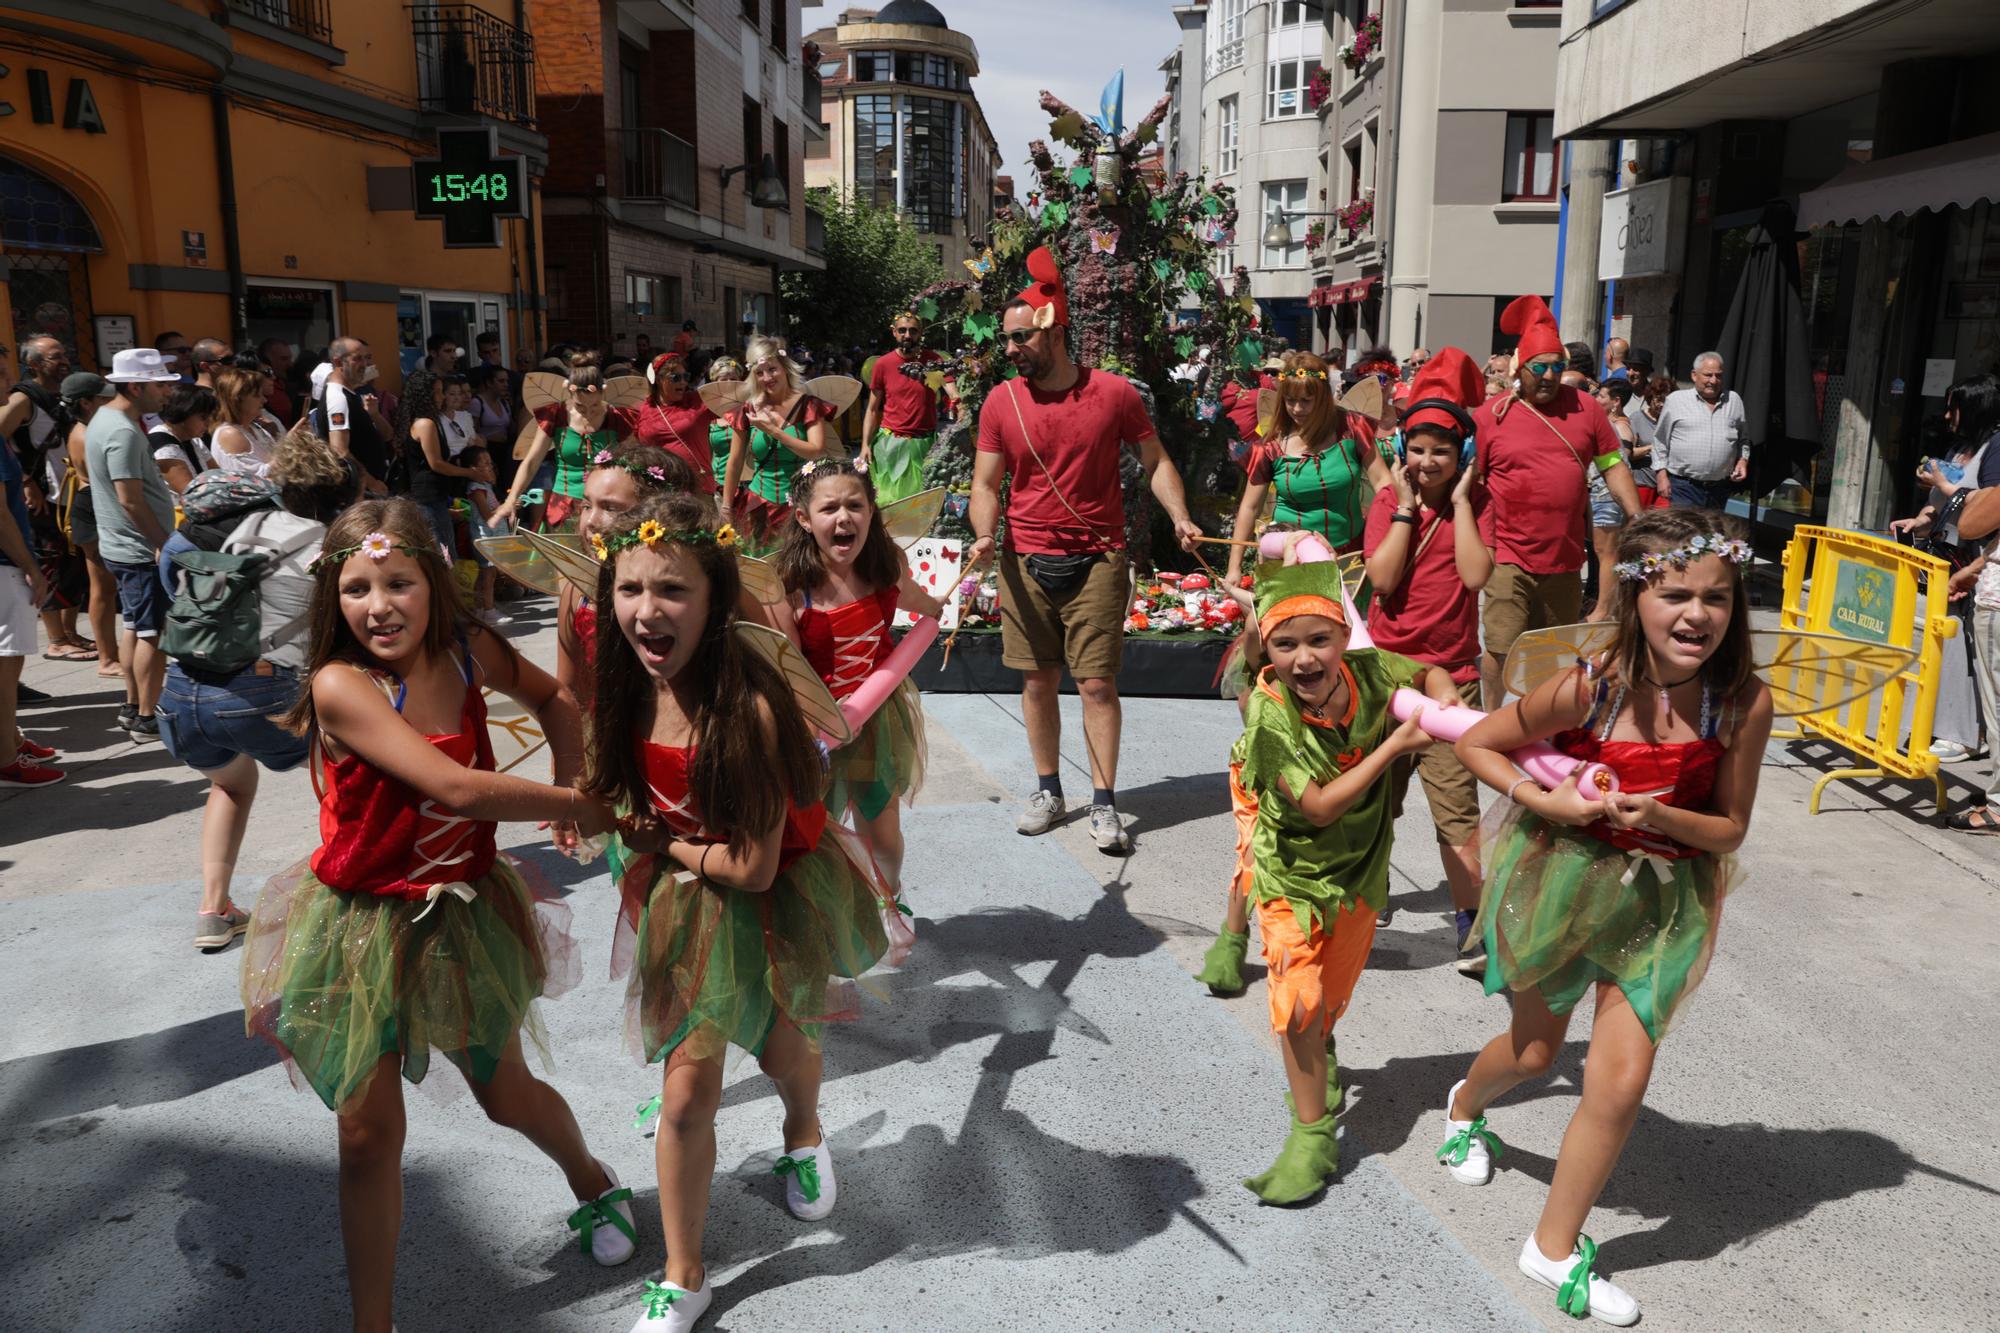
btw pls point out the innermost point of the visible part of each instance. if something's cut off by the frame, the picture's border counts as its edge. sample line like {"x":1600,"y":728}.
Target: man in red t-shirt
{"x":901,"y":423}
{"x":1537,"y":446}
{"x":1057,"y":432}
{"x":683,"y":343}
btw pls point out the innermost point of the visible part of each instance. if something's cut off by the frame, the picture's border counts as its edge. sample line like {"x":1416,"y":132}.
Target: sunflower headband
{"x":376,"y":546}
{"x":1654,"y":563}
{"x":646,"y":476}
{"x":1302,"y":374}
{"x":653,"y":533}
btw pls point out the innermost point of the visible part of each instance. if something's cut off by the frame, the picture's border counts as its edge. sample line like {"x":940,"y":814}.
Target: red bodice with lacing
{"x":583,"y":624}
{"x":846,"y":643}
{"x":1680,"y":774}
{"x":669,"y":793}
{"x":380,"y":836}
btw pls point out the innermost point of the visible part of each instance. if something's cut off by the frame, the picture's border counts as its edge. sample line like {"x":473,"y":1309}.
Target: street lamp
{"x":1278,"y":236}
{"x":768,"y":189}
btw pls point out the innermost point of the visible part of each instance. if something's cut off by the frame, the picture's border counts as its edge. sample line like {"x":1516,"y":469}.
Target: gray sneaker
{"x":214,"y":930}
{"x":1107,"y":832}
{"x":1043,"y":812}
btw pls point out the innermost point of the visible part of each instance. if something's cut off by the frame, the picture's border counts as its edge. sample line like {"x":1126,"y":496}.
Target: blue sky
{"x":1070,"y":47}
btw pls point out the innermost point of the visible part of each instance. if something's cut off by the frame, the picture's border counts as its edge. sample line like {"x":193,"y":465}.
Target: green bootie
{"x":1307,"y":1161}
{"x":1222,"y":966}
{"x":1336,"y":1093}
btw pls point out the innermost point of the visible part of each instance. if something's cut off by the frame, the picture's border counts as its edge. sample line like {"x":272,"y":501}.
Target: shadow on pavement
{"x":162,"y":1066}
{"x":1172,"y":801}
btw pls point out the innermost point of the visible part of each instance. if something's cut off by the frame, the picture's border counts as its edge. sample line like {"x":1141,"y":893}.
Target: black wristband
{"x":1400,"y":517}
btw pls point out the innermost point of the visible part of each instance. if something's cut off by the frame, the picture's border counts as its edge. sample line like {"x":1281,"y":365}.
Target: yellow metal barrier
{"x":1867,"y":588}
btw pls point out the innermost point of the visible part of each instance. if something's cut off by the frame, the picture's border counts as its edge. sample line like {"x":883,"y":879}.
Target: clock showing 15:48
{"x":458,"y":187}
{"x":469,"y":186}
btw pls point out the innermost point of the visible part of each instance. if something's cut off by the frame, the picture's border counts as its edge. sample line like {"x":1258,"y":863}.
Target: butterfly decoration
{"x":1209,"y":409}
{"x":981,"y":267}
{"x":1104,"y":241}
{"x":1807,"y":672}
{"x":1034,"y":199}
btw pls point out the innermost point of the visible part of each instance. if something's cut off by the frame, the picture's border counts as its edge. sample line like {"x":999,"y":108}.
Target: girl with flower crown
{"x":407,"y":932}
{"x":1615,"y":895}
{"x":739,"y":898}
{"x":846,"y":580}
{"x":616,"y":481}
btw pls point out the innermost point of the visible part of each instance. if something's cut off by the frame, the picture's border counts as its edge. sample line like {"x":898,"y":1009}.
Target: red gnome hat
{"x":1045,"y":293}
{"x":1529,"y":316}
{"x":1447,"y":380}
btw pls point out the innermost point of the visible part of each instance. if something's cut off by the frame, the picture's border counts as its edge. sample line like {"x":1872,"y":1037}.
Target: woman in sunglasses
{"x":1321,"y":464}
{"x":778,"y":431}
{"x":577,"y":431}
{"x":675,"y":419}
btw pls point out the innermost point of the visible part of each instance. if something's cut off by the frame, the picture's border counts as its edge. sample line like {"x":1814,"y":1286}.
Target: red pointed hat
{"x":1452,"y":377}
{"x":1530,"y":317}
{"x":1045,"y":293}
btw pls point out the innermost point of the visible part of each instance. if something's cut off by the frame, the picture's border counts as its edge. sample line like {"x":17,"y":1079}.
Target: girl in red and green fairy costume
{"x":775,"y":433}
{"x":846,"y":580}
{"x":1614,"y":896}
{"x":740,"y":899}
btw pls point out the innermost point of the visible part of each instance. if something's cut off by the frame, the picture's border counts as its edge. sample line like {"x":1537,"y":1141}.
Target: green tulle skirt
{"x":714,"y":967}
{"x":336,"y":981}
{"x":1563,"y":911}
{"x":884,"y":763}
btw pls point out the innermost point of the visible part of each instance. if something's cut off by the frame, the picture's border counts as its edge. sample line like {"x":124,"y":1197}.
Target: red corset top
{"x":381,"y":837}
{"x":666,"y":769}
{"x":846,"y":643}
{"x":1681,"y":774}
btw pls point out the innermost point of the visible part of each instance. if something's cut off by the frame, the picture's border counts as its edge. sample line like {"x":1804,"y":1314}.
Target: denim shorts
{"x":207,"y":726}
{"x":1605,"y":513}
{"x":142,"y":599}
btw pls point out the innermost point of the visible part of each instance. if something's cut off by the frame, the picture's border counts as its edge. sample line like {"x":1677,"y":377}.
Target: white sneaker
{"x":672,"y":1309}
{"x":808,"y":1177}
{"x":1579,"y":1291}
{"x":604,"y":1225}
{"x":1469,"y":1146}
{"x":1108,"y":833}
{"x":1043,"y":812}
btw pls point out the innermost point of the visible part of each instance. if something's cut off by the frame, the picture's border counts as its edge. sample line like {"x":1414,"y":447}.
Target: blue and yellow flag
{"x":1110,"y":115}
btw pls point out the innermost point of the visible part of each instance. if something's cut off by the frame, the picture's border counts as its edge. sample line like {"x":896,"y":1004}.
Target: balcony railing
{"x":305,"y":18}
{"x":470,"y":63}
{"x":1226,"y":56}
{"x":653,"y":164}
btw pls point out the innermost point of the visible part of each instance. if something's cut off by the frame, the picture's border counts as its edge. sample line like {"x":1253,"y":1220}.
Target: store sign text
{"x":79,"y":103}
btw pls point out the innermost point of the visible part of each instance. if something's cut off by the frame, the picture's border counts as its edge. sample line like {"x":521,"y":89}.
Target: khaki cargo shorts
{"x":1083,"y":629}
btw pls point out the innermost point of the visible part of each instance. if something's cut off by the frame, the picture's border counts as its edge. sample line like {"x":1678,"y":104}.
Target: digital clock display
{"x":458,"y":187}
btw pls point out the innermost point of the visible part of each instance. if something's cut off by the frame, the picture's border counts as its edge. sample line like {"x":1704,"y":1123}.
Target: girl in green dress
{"x":578,"y":431}
{"x":1322,"y":464}
{"x":777,"y":432}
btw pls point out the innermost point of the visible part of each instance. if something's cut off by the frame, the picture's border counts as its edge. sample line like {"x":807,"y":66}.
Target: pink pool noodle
{"x":859,"y":706}
{"x":1312,"y":550}
{"x":1539,"y":760}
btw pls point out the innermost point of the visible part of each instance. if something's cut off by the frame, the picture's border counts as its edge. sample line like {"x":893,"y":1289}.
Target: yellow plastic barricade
{"x":1867,"y":588}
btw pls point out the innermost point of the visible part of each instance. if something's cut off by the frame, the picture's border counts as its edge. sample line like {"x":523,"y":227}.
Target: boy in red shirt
{"x":1428,"y":546}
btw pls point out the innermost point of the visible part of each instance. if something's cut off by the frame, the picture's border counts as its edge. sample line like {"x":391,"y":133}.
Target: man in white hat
{"x":135,"y":515}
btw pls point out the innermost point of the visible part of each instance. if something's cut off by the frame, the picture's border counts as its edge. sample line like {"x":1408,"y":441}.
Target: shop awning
{"x":1961,"y":173}
{"x":1343,"y":293}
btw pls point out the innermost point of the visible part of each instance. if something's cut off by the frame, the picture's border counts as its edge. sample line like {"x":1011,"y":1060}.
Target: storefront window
{"x":301,"y":316}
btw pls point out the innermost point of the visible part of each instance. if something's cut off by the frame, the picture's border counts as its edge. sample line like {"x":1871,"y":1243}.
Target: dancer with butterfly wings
{"x":780,"y":421}
{"x":577,"y":418}
{"x":1618,"y":895}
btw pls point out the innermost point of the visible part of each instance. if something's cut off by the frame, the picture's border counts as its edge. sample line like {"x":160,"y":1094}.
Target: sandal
{"x":1974,"y":819}
{"x":70,"y":654}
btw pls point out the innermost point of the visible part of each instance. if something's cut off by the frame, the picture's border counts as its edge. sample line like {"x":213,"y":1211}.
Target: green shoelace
{"x":1459,"y":1145}
{"x":660,"y":1299}
{"x":806,"y":1169}
{"x":1573,"y":1297}
{"x":599,"y":1212}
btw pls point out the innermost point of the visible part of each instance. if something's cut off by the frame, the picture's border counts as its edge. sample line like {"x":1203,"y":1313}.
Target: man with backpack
{"x":236,"y":637}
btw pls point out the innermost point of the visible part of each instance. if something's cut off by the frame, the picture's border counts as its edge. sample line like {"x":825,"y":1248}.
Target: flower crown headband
{"x":1302,"y":373}
{"x":812,"y":466}
{"x":653,"y":533}
{"x":1654,"y":563}
{"x":654,"y":476}
{"x":376,"y":546}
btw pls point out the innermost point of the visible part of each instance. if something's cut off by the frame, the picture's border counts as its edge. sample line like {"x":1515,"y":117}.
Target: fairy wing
{"x":840,"y":390}
{"x":911,"y":518}
{"x":516,"y":732}
{"x":1542,"y":653}
{"x":625,"y":391}
{"x":543,"y":388}
{"x":513,"y":555}
{"x":725,"y":396}
{"x":822,"y":714}
{"x":1366,"y":398}
{"x":1816,"y":673}
{"x":526,"y":439}
{"x":566,"y":553}
{"x":1267,"y":411}
{"x":760,"y":579}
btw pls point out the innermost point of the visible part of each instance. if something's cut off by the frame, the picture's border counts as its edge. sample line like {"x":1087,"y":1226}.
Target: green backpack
{"x":216,"y":622}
